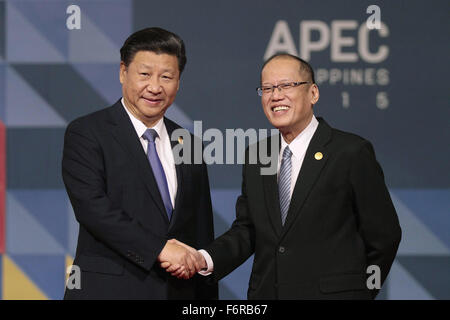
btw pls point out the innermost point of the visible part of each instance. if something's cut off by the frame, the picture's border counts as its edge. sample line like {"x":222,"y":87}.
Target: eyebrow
{"x":281,"y":81}
{"x":146,"y":66}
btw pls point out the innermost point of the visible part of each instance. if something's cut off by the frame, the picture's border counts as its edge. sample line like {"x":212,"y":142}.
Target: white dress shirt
{"x":298,"y":148}
{"x":163,"y":147}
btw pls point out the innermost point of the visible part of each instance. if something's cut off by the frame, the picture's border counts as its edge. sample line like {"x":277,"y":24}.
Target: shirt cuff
{"x":209,"y":263}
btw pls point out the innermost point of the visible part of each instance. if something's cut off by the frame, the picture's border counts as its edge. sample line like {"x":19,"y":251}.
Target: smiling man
{"x":318,"y":224}
{"x":126,"y":191}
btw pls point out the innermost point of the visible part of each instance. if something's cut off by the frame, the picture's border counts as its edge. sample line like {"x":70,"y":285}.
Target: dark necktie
{"x":150,"y":135}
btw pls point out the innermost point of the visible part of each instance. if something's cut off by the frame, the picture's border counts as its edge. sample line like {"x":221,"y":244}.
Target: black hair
{"x":304,"y":66}
{"x":156,"y":40}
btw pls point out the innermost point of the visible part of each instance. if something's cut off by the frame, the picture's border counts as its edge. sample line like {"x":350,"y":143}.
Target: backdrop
{"x":386,"y":84}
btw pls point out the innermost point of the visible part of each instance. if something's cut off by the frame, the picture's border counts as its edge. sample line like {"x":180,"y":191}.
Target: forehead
{"x":281,"y":68}
{"x":152,"y":59}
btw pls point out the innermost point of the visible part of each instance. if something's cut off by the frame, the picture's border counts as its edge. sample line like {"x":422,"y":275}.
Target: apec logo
{"x":347,"y":42}
{"x":330,"y":37}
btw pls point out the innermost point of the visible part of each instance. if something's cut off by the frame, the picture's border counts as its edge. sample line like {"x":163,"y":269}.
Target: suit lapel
{"x":309,"y":172}
{"x":125,"y":134}
{"x":180,"y":170}
{"x":271,"y":197}
{"x":272,"y":201}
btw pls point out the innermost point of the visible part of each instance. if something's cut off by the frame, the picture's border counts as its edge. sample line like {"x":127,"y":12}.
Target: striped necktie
{"x":284,"y":183}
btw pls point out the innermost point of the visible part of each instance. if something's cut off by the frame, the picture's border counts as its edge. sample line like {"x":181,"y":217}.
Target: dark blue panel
{"x":63,"y":88}
{"x":432,"y":272}
{"x":34,"y":158}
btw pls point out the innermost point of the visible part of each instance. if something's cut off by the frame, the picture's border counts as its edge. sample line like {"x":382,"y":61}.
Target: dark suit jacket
{"x":340,"y":221}
{"x":123,"y":223}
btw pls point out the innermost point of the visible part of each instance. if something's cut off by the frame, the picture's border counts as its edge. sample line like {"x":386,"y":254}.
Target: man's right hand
{"x":185,"y":271}
{"x":182,"y":260}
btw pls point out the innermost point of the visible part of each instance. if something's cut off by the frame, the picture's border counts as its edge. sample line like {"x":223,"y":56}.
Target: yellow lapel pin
{"x":180,"y":140}
{"x":318,"y":156}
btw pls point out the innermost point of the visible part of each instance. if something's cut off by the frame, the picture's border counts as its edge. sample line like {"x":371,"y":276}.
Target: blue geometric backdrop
{"x":50,"y":75}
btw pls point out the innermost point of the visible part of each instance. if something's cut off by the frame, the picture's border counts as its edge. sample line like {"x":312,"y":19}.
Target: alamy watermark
{"x":374,"y":280}
{"x":374,"y":20}
{"x":74,"y":19}
{"x":73,"y":280}
{"x":213,"y":147}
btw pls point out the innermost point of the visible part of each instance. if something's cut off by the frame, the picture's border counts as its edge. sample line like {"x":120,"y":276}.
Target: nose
{"x":277,"y":94}
{"x":154,"y":86}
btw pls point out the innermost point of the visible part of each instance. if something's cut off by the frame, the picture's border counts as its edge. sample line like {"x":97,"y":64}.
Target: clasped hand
{"x":181,"y":260}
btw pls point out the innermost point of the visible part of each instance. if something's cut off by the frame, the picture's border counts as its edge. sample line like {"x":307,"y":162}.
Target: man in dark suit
{"x":323,"y":218}
{"x":128,"y":194}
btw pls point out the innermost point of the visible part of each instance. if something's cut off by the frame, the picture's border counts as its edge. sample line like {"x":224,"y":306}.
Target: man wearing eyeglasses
{"x":325,"y":217}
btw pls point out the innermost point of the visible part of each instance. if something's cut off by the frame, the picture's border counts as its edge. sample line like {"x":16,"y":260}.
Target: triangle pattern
{"x":48,"y":18}
{"x":416,"y":237}
{"x":46,"y":206}
{"x":431,"y":207}
{"x":431,"y":272}
{"x":116,"y":11}
{"x":16,"y":284}
{"x":25,"y":43}
{"x":24,"y":233}
{"x":69,"y":103}
{"x":104,"y":78}
{"x":403,"y":286}
{"x":45,"y":271}
{"x":89,"y":44}
{"x":29,"y":103}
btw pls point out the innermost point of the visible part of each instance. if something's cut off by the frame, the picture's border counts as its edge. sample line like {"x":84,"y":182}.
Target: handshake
{"x":181,"y":260}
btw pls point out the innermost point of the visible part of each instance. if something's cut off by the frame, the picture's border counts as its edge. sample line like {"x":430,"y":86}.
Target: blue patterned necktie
{"x":150,"y":135}
{"x":284,"y":183}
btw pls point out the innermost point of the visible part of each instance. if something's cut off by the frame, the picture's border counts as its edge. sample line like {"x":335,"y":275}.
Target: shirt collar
{"x":299,"y":145}
{"x":140,"y":127}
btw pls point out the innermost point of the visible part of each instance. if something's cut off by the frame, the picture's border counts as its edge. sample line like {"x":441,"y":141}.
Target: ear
{"x":315,"y":93}
{"x":178,"y":84}
{"x":122,"y":71}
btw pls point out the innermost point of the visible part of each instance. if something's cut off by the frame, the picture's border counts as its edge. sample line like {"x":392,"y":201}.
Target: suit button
{"x":281,"y":249}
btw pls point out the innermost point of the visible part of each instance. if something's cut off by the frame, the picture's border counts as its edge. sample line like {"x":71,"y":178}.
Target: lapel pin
{"x":318,"y":156}
{"x":180,"y":140}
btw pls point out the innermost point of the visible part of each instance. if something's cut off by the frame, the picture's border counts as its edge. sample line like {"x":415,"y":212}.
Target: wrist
{"x":203,"y":264}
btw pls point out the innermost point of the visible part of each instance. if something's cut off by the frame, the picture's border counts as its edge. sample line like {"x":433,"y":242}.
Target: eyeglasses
{"x":281,"y":87}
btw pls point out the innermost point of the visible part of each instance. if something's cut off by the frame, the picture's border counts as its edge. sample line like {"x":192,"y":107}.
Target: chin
{"x":279,"y":124}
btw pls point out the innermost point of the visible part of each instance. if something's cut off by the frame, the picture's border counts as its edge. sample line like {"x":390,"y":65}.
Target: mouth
{"x":152,"y":101}
{"x":280,"y":109}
